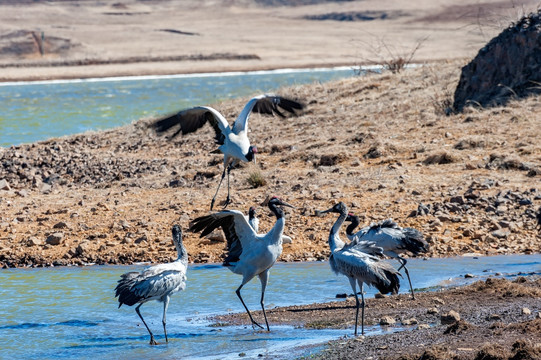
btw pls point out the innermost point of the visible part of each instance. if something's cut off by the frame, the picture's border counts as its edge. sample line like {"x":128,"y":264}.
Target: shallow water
{"x":34,"y":111}
{"x":71,"y":312}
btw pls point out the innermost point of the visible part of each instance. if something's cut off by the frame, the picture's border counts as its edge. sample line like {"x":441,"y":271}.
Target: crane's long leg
{"x":152,"y":341}
{"x":216,"y":193}
{"x":228,"y":199}
{"x":361,"y":285}
{"x":403,"y":265}
{"x":248,"y":311}
{"x":165,"y":305}
{"x":263,"y":277}
{"x":353,"y":283}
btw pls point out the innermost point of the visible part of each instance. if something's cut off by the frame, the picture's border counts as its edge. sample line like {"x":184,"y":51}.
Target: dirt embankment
{"x":383,"y":144}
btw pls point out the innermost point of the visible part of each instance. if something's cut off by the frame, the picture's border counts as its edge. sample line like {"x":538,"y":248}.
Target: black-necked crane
{"x":157,"y":282}
{"x":249,"y":253}
{"x":393,"y":239}
{"x":253,"y":220}
{"x":357,"y":262}
{"x":233,"y":141}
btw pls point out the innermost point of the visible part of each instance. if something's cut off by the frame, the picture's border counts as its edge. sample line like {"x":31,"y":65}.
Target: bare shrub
{"x":256,"y":179}
{"x":393,"y":58}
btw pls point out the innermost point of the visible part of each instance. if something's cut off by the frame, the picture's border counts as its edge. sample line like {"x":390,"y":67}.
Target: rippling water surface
{"x":34,"y":111}
{"x":71,"y":312}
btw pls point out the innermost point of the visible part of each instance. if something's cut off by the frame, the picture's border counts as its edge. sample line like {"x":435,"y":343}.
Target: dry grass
{"x":256,"y":179}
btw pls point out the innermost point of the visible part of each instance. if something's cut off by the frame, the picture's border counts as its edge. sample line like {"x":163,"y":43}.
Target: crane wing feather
{"x":191,"y":120}
{"x":235,"y":226}
{"x":265,"y":104}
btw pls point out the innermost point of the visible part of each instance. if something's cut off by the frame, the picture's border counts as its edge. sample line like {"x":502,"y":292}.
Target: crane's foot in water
{"x":152,"y":341}
{"x":254,"y":324}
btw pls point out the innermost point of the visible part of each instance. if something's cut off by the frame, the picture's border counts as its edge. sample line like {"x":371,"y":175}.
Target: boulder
{"x":508,"y":66}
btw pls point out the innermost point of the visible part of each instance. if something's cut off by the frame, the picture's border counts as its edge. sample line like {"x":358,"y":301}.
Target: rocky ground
{"x":383,"y":144}
{"x":494,"y":319}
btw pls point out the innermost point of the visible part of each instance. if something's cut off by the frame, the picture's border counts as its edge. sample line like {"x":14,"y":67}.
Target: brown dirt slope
{"x":380,"y":143}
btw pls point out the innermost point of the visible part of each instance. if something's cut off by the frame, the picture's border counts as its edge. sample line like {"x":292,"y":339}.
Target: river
{"x":71,"y":312}
{"x":35,"y":111}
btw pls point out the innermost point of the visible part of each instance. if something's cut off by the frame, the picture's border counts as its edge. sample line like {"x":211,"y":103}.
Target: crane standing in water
{"x":393,"y":239}
{"x":357,"y":262}
{"x":157,"y":282}
{"x":249,"y":253}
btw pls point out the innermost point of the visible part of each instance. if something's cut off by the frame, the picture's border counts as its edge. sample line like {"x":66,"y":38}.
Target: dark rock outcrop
{"x":509,"y":66}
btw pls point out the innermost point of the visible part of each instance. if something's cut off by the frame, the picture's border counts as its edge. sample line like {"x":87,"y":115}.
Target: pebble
{"x":423,"y":326}
{"x":387,"y":321}
{"x":411,"y":321}
{"x":4,"y":185}
{"x":34,"y":241}
{"x":526,"y":311}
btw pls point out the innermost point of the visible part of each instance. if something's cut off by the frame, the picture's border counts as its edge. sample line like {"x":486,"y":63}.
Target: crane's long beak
{"x":321,"y":213}
{"x":286,"y":204}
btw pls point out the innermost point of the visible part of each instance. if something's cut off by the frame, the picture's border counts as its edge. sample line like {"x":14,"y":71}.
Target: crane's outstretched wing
{"x":237,"y":230}
{"x":192,"y":119}
{"x":265,"y":104}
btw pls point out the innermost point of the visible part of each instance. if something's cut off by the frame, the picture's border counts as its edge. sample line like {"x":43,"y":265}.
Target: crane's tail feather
{"x":414,"y":241}
{"x":124,"y":289}
{"x":389,"y":283}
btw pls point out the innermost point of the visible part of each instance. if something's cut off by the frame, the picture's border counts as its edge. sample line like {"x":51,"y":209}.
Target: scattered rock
{"x":55,"y":239}
{"x":423,"y":326}
{"x":387,"y":321}
{"x":450,"y":317}
{"x":411,"y":321}
{"x":4,"y":185}
{"x":500,"y":234}
{"x":60,"y":225}
{"x":439,"y":301}
{"x":433,"y":311}
{"x":34,"y":241}
{"x":216,"y":235}
{"x":469,"y":276}
{"x":526,"y":311}
{"x":458,"y":327}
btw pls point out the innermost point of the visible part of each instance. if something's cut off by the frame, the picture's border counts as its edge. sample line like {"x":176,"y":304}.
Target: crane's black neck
{"x":335,"y":242}
{"x":278,"y":212}
{"x":354,"y":223}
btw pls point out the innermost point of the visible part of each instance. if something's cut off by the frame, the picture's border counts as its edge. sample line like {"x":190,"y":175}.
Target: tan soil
{"x":167,"y":37}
